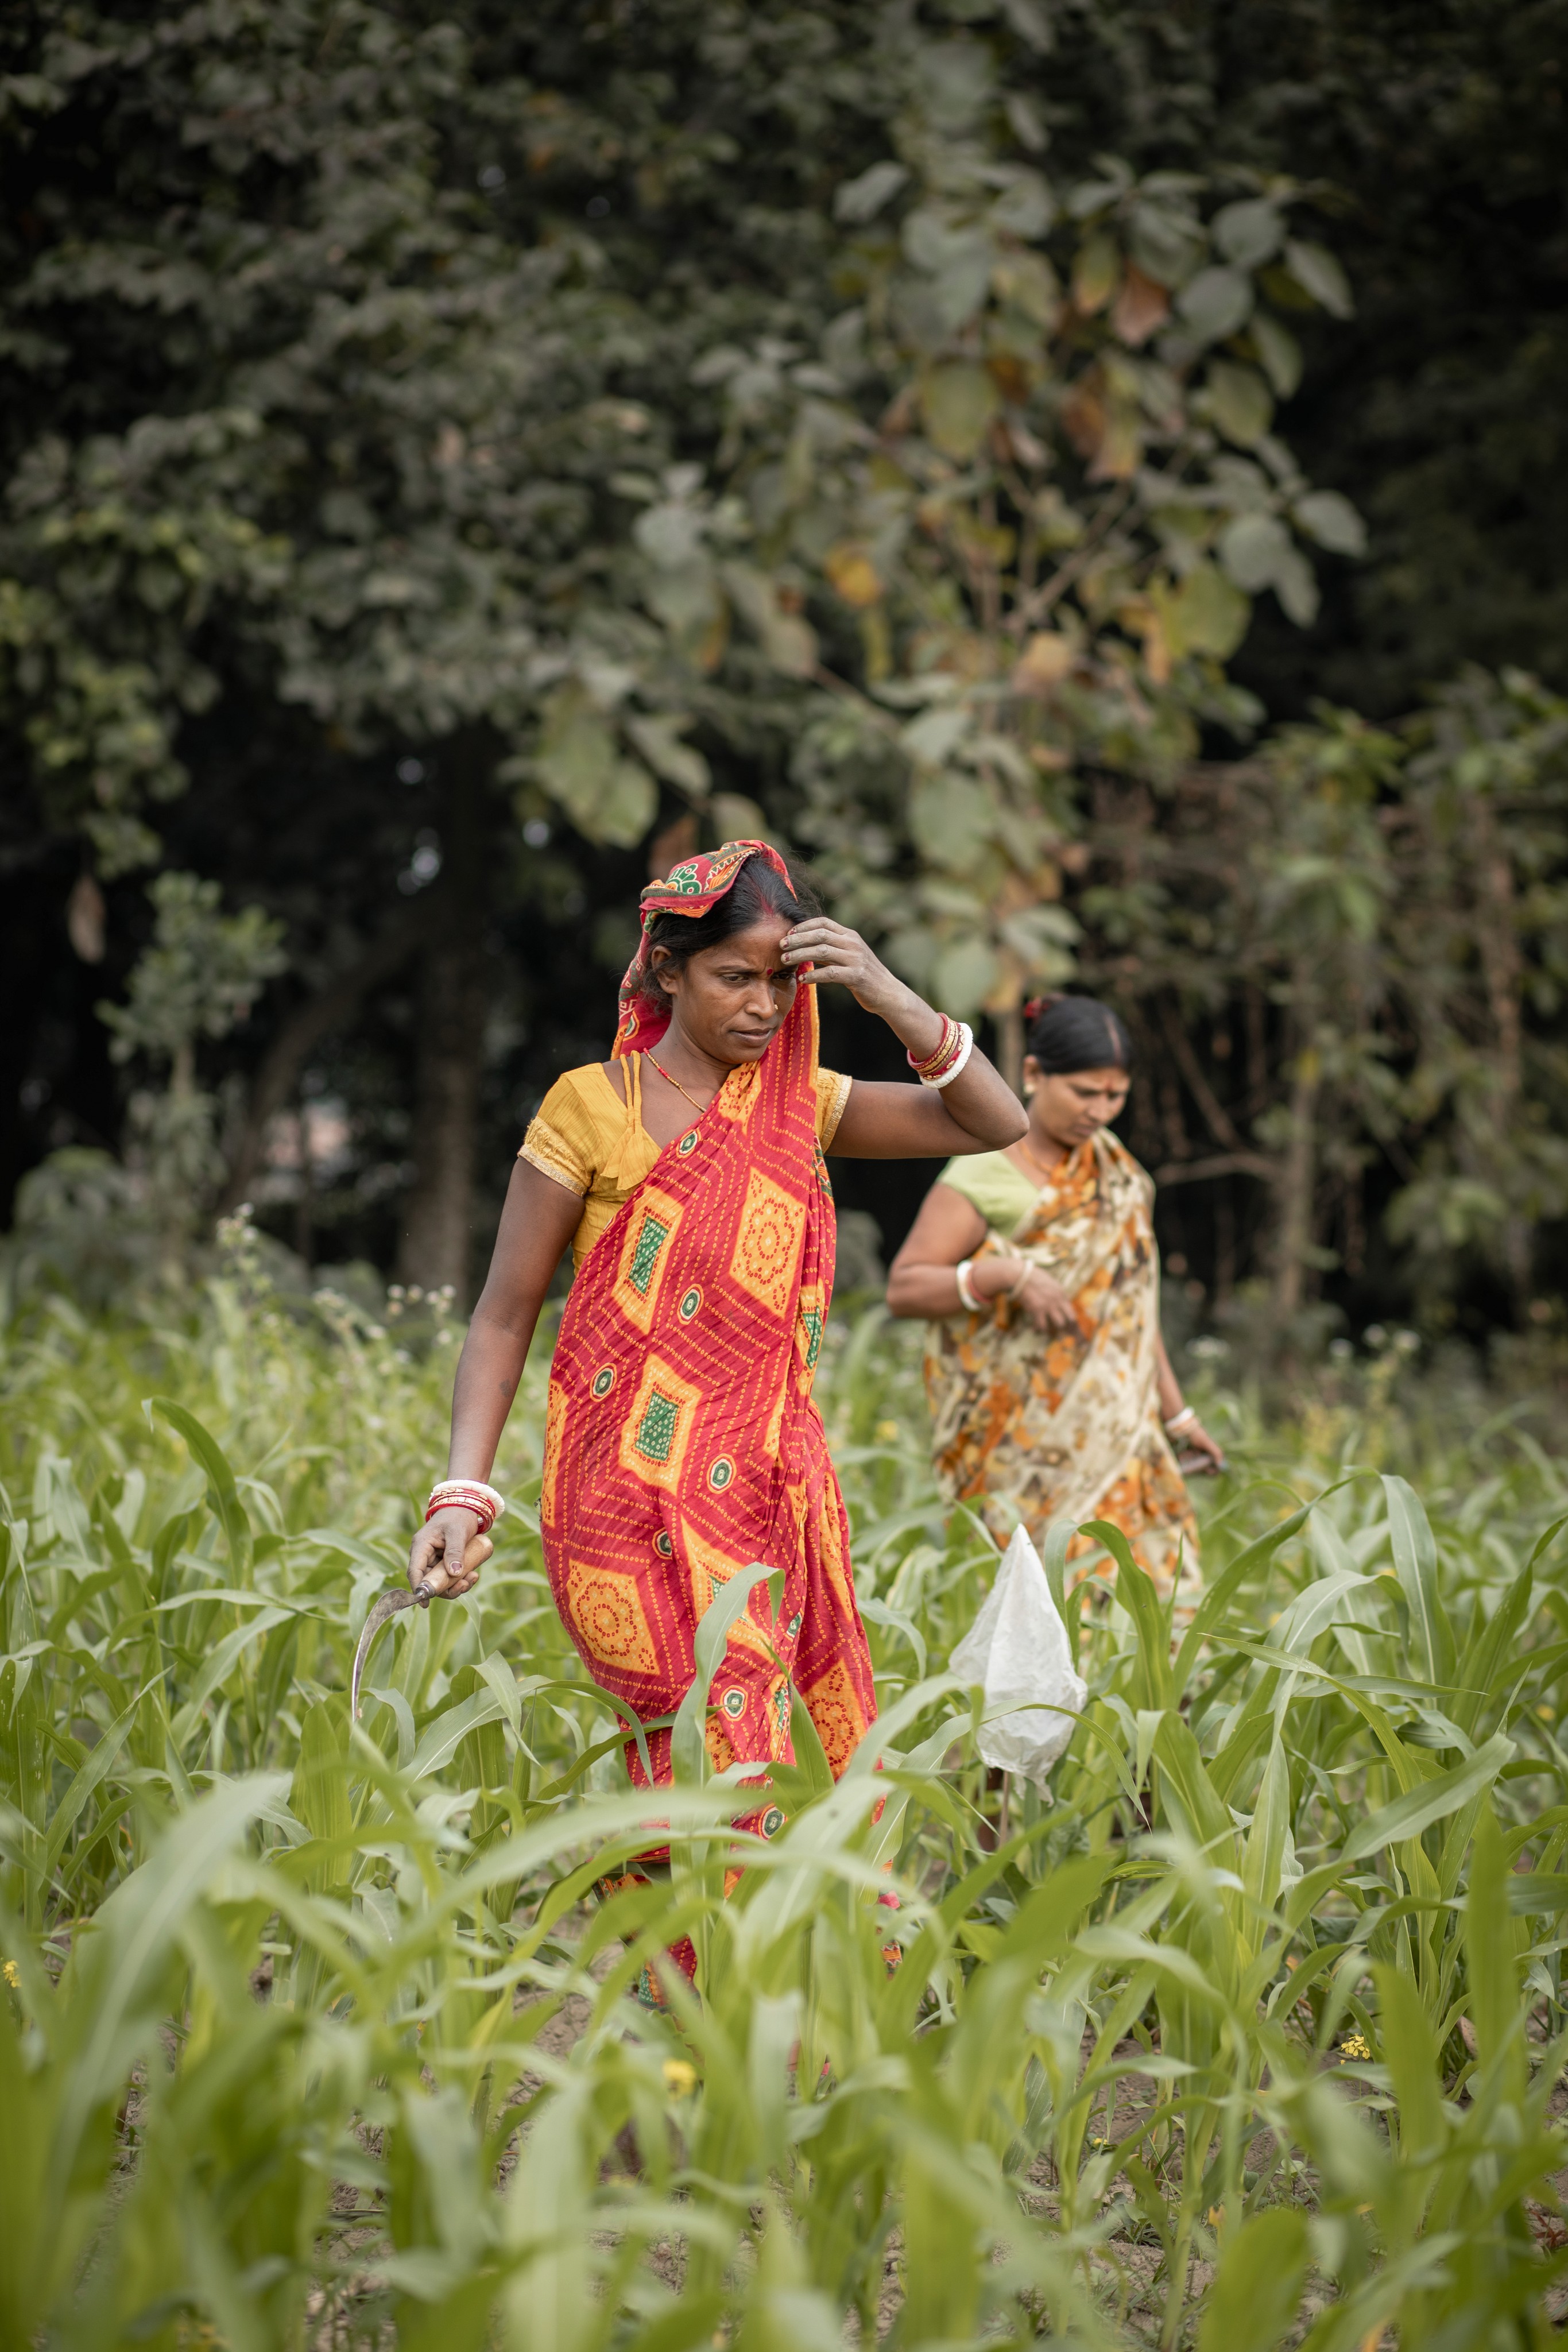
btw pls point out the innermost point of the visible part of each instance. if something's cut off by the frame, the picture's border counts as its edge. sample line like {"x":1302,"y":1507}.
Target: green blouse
{"x":990,"y":1182}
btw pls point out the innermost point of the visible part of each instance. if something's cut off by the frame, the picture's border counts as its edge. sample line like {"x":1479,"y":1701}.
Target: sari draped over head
{"x":1036,"y":1425}
{"x":681,"y":1442}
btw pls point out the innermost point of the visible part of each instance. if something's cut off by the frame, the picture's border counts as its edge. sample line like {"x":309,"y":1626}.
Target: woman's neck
{"x":696,"y":1068}
{"x":1041,"y":1154}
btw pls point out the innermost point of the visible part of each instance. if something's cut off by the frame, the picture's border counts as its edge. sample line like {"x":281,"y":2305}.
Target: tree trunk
{"x":1297,"y":1178}
{"x":449,"y":1062}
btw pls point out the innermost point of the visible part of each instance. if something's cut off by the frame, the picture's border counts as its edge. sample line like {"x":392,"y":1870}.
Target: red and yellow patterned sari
{"x":683,"y":1443}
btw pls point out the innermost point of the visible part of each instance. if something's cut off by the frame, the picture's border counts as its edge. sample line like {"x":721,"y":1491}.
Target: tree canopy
{"x":454,"y":459}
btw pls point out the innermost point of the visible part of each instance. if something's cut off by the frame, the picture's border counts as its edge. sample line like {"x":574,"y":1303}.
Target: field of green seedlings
{"x":313,"y":2035}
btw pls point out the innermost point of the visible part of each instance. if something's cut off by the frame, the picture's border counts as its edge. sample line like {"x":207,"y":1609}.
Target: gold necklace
{"x":1030,"y":1151}
{"x":675,"y":1082}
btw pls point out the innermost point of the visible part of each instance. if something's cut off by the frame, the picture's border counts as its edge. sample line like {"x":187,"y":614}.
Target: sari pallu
{"x":681,"y":1442}
{"x":1039,"y":1426}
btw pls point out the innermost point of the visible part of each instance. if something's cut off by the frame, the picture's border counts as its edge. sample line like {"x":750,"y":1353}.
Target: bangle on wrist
{"x":956,"y":1063}
{"x":466,"y":1494}
{"x":1181,"y":1419}
{"x":940,"y":1068}
{"x":967,"y":1295}
{"x":946,"y":1045}
{"x":1025,"y":1270}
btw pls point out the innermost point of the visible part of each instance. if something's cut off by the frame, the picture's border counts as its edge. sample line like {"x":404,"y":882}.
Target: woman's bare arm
{"x":979,"y":1111}
{"x":1193,"y":1438}
{"x":923,"y":1283}
{"x":536,"y":1224}
{"x":914,"y":1122}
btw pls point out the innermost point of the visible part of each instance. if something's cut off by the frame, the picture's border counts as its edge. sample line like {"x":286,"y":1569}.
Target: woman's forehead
{"x":1110,"y":1075}
{"x":758,"y":944}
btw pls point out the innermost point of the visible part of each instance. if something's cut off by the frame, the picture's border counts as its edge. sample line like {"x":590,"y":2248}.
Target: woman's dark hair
{"x":756,"y":891}
{"x":1074,"y":1033}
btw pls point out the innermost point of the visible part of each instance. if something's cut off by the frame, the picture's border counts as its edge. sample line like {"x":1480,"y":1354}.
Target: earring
{"x":1029,"y":1093}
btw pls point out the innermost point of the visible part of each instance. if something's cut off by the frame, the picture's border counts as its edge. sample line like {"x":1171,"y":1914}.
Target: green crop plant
{"x":314,"y":2032}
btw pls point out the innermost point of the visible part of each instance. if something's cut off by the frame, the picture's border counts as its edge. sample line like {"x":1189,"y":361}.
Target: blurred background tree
{"x":456,"y":460}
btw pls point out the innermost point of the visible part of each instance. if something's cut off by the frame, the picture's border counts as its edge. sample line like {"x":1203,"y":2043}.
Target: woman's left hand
{"x":835,"y":952}
{"x":1196,"y":1439}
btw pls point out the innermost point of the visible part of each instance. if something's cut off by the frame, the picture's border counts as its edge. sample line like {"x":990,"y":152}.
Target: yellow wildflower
{"x":681,"y":2076}
{"x":13,"y":1975}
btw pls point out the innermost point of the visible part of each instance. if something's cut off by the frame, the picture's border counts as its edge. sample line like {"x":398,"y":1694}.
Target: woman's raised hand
{"x":835,"y":952}
{"x":448,"y":1553}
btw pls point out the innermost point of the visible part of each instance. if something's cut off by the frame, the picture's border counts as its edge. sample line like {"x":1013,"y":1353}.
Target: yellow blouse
{"x":596,"y":1145}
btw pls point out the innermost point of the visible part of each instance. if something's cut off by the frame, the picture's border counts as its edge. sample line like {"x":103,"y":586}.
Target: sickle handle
{"x":476,"y":1552}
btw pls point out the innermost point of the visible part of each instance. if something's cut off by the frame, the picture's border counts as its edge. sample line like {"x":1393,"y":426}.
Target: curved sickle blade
{"x":388,"y":1606}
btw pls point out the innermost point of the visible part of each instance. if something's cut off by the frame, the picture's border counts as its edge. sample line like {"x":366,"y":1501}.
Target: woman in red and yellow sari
{"x":687,"y":1174}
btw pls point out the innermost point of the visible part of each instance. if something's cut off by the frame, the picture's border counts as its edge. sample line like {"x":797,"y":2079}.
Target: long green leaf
{"x":99,"y":1761}
{"x":1431,"y":1800}
{"x":224,"y":1492}
{"x":1415,"y":1557}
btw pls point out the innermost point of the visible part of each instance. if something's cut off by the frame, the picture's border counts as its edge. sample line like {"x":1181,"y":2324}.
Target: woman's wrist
{"x":470,"y":1495}
{"x":998,"y":1278}
{"x":918,"y":1028}
{"x":1184,"y":1417}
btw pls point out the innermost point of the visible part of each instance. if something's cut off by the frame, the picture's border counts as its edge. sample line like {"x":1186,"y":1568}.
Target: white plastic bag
{"x":1016,"y":1649}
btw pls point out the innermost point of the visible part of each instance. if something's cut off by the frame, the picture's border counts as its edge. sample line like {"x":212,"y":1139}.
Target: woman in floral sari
{"x":687,"y":1175}
{"x":1036,"y":1267}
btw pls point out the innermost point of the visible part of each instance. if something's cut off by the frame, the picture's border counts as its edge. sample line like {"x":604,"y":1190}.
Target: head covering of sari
{"x":692,"y":888}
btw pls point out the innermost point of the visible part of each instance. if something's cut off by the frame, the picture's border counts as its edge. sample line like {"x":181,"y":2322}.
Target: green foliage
{"x":1398,"y":895}
{"x":200,"y":975}
{"x":911,"y":422}
{"x":882,"y":447}
{"x":308,"y":2026}
{"x":202,"y":971}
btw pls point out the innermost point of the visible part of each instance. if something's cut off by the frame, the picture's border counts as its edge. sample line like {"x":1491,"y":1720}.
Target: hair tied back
{"x":1075,"y":1033}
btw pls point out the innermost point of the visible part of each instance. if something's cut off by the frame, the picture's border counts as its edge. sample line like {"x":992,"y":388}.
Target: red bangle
{"x":932,"y":1064}
{"x":466,"y":1494}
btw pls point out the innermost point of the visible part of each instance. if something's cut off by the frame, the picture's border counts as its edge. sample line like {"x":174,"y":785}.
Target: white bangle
{"x":1179,"y":1421}
{"x":967,"y":1295}
{"x":1026,"y":1267}
{"x":955,"y":1067}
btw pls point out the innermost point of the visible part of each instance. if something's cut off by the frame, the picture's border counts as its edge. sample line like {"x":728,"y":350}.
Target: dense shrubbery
{"x":312,"y":2027}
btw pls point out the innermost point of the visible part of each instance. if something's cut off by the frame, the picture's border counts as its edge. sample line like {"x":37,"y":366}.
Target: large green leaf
{"x":221,"y":1491}
{"x":1252,"y":2305}
{"x":1431,"y":1800}
{"x":959,"y":400}
{"x":1415,"y":1557}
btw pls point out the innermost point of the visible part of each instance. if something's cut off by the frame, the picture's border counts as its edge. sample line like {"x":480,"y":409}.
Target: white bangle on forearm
{"x":953,"y":1067}
{"x":1180,"y":1420}
{"x":967,"y":1295}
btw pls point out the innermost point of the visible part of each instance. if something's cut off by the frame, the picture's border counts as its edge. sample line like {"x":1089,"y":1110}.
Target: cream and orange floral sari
{"x":1037,"y":1426}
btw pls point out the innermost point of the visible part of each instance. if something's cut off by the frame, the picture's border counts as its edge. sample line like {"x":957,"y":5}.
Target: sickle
{"x":400,"y":1597}
{"x":477,"y":1553}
